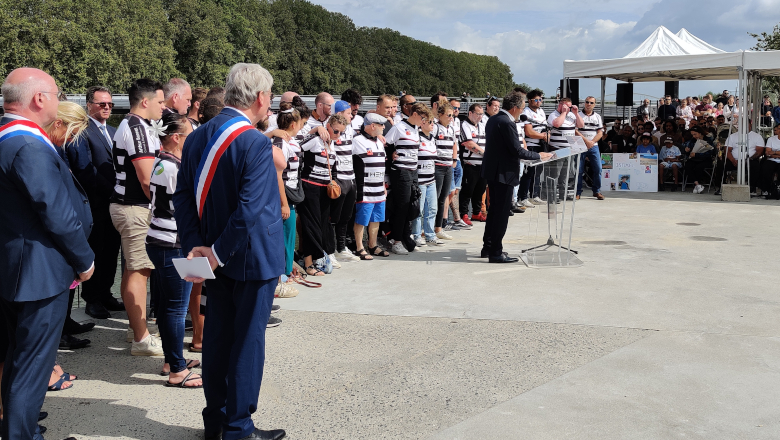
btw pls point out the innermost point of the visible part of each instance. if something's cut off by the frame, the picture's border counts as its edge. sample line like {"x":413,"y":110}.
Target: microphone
{"x":523,"y":118}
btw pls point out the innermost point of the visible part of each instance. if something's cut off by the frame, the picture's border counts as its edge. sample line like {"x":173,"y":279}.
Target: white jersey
{"x":343,"y":149}
{"x":134,"y":139}
{"x":754,"y":140}
{"x":558,"y":135}
{"x":426,"y":158}
{"x":369,"y":156}
{"x":357,"y":123}
{"x":317,"y":154}
{"x":162,"y":230}
{"x":406,"y":139}
{"x":293,"y":153}
{"x":538,"y":121}
{"x":446,"y":138}
{"x":470,"y":132}
{"x":593,"y":124}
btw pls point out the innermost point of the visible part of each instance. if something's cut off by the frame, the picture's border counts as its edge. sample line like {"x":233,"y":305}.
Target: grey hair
{"x":512,"y":100}
{"x":24,"y":91}
{"x":244,"y":82}
{"x":174,"y":85}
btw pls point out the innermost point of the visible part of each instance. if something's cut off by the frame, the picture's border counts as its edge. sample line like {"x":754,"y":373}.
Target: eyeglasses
{"x":479,"y":114}
{"x":103,"y":104}
{"x":411,"y":103}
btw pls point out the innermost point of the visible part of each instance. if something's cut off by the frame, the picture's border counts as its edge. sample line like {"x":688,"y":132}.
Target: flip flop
{"x":193,"y":349}
{"x":191,"y":363}
{"x":58,"y":386}
{"x":182,"y":383}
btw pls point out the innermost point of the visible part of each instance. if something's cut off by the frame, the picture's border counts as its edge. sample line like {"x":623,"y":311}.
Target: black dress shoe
{"x":68,"y":342}
{"x":74,"y":328}
{"x":503,"y":258}
{"x":114,"y":305}
{"x":42,"y":415}
{"x":97,"y":311}
{"x":274,"y":434}
{"x":217,"y":436}
{"x":43,"y":429}
{"x":511,"y":213}
{"x":484,"y":253}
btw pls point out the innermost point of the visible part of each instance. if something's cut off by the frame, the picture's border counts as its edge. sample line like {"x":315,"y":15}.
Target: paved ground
{"x":668,"y":330}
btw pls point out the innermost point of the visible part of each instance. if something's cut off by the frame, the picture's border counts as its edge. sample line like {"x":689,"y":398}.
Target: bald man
{"x":45,"y":246}
{"x":273,"y":127}
{"x":322,"y":110}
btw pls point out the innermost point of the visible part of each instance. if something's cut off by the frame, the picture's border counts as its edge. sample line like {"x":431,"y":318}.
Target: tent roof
{"x":668,"y":57}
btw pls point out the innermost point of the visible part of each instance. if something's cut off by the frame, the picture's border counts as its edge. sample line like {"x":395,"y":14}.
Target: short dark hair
{"x":352,"y":96}
{"x":406,"y":99}
{"x":299,"y":105}
{"x":199,"y":94}
{"x":216,"y":92}
{"x":209,"y":108}
{"x":175,"y":123}
{"x":94,"y":89}
{"x":474,"y":106}
{"x":512,"y":100}
{"x":493,"y":99}
{"x":142,"y":88}
{"x":534,"y":94}
{"x":438,"y":97}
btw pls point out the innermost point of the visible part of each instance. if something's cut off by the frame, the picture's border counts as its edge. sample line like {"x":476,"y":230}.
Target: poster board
{"x":629,"y":172}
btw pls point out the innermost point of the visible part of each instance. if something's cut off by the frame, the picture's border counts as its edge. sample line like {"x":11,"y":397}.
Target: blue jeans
{"x":173,"y":302}
{"x":457,"y":177}
{"x":428,"y":208}
{"x":595,"y":166}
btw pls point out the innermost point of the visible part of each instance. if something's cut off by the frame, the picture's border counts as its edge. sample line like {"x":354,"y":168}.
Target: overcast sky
{"x":534,"y":37}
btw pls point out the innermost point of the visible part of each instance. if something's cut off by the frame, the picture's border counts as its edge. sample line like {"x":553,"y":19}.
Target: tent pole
{"x":603,"y":88}
{"x":565,"y":91}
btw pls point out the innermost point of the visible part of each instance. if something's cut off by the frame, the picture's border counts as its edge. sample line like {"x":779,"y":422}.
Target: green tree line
{"x":307,"y":48}
{"x":769,"y":41}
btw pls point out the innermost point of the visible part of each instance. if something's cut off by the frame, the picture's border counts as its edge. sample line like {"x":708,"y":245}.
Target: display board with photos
{"x":629,"y":172}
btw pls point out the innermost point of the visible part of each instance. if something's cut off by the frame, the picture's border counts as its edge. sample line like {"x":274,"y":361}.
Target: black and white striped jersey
{"x":294,"y":155}
{"x":356,"y":124}
{"x":558,"y":135}
{"x":343,"y":149}
{"x":162,"y":185}
{"x":538,"y":121}
{"x":133,"y":141}
{"x":593,"y":124}
{"x":316,"y":155}
{"x":406,"y":139}
{"x":445,"y":139}
{"x":369,"y":162}
{"x":470,"y":132}
{"x":426,"y":158}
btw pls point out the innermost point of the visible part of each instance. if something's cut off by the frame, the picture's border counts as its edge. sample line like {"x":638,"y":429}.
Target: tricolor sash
{"x":21,"y":127}
{"x":217,"y":145}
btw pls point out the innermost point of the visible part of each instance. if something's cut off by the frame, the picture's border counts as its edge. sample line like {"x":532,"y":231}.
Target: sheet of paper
{"x":198,"y":267}
{"x":577,"y":144}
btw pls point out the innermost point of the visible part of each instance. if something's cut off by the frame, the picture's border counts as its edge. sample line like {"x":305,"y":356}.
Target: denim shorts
{"x":457,"y":177}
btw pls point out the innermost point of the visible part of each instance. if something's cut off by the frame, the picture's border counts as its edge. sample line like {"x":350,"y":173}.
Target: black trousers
{"x":695,"y":170}
{"x":755,"y":172}
{"x":498,"y":217}
{"x":105,"y":242}
{"x":401,"y":192}
{"x":527,"y":184}
{"x":443,"y":177}
{"x":33,"y":329}
{"x":341,"y":210}
{"x":473,"y":189}
{"x":314,"y":213}
{"x":768,"y":170}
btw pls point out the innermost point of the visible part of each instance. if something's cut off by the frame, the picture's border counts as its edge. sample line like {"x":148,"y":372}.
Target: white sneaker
{"x":527,"y":203}
{"x":153,"y":330}
{"x":398,"y":248}
{"x":443,"y":235}
{"x":460,"y":224}
{"x":420,"y":241}
{"x":150,"y":346}
{"x":334,"y":261}
{"x":698,"y":189}
{"x":435,"y":242}
{"x":284,"y":290}
{"x":346,"y":255}
{"x":537,"y":201}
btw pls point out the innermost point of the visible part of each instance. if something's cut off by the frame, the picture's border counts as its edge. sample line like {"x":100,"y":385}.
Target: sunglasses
{"x":103,"y":104}
{"x":590,"y":102}
{"x":337,"y":132}
{"x":537,"y":100}
{"x":449,"y":115}
{"x":411,"y":103}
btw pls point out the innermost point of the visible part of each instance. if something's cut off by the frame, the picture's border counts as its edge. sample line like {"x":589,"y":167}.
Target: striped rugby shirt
{"x":369,"y":156}
{"x":343,"y":149}
{"x":406,"y":139}
{"x":316,"y":155}
{"x":133,"y":140}
{"x":162,"y":229}
{"x":469,"y":132}
{"x":357,"y":122}
{"x":445,"y":139}
{"x":593,"y":124}
{"x":426,"y":159}
{"x":538,"y":121}
{"x":558,"y":135}
{"x":293,"y":153}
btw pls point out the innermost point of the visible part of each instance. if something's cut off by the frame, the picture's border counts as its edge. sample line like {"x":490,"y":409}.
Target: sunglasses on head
{"x":103,"y":104}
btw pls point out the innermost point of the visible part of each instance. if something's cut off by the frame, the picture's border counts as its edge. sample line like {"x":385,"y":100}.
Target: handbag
{"x":334,"y":190}
{"x":414,"y":202}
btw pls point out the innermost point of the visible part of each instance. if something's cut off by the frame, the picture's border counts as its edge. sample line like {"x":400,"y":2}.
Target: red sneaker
{"x":466,"y":220}
{"x":479,"y":217}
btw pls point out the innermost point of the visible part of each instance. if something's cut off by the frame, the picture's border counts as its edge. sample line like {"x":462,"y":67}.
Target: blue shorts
{"x":457,"y":177}
{"x":366,"y":213}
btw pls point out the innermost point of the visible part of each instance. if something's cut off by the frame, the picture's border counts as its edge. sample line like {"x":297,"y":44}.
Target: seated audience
{"x":670,"y":160}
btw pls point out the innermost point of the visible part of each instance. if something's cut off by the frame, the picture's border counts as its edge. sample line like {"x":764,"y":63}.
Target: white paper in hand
{"x":198,"y":267}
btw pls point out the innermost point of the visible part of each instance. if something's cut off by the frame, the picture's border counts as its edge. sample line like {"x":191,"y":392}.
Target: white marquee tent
{"x":665,"y":56}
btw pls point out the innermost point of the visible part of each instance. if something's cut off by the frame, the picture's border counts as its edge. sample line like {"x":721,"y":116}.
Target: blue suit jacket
{"x":503,"y":150}
{"x":44,"y":223}
{"x":91,"y":162}
{"x":242,"y":216}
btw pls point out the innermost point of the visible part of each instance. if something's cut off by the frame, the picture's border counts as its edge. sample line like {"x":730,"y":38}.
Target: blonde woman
{"x":71,"y":121}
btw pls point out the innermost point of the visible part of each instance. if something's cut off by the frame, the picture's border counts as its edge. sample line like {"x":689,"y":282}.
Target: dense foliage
{"x":307,"y":48}
{"x":769,"y":41}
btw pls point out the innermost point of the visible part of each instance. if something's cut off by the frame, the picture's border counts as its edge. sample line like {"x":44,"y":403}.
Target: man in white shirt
{"x":591,"y":133}
{"x":755,"y":149}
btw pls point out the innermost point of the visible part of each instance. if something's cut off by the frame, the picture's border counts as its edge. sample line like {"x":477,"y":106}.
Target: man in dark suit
{"x":236,"y":222}
{"x":501,"y":169}
{"x":92,"y":163}
{"x":44,"y":233}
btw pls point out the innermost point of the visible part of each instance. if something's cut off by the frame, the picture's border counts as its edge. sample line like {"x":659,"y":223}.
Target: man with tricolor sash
{"x":43,"y":234}
{"x":228,"y":210}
